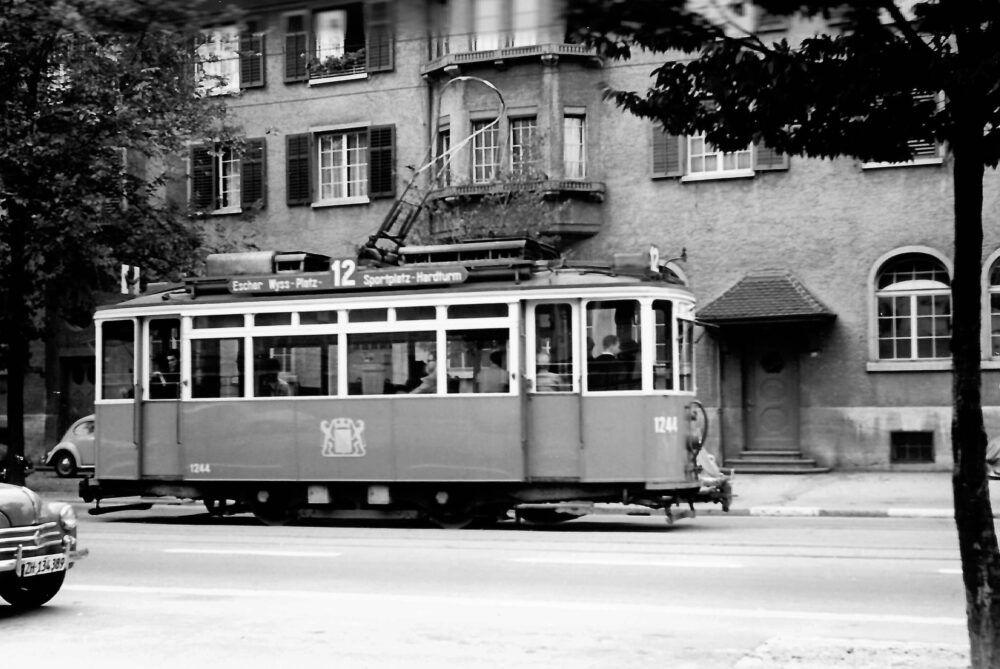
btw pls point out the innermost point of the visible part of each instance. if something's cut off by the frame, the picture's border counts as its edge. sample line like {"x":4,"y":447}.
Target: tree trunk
{"x":973,"y":511}
{"x":17,"y":345}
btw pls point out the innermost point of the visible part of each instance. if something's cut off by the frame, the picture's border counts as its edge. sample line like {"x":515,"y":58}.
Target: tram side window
{"x":477,"y":361}
{"x":217,"y":367}
{"x":663,"y":364}
{"x":387,"y":363}
{"x":117,"y":359}
{"x":554,"y":339}
{"x":613,"y":345}
{"x":295,"y":365}
{"x":686,"y":346}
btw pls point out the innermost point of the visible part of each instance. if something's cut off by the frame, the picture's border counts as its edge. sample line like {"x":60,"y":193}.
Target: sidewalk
{"x":860,"y":494}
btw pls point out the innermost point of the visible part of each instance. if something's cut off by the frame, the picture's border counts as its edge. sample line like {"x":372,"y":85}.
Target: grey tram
{"x":465,"y":383}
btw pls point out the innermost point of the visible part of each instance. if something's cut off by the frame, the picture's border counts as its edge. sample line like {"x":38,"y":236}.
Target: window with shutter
{"x":297,"y":170}
{"x":253,"y":171}
{"x":381,"y":161}
{"x":202,"y":178}
{"x":668,"y":154}
{"x":924,"y":151}
{"x":379,"y":41}
{"x":296,"y":48}
{"x":251,"y":59}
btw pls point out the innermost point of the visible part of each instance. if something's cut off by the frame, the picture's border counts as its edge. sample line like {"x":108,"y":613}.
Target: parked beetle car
{"x":37,"y":546}
{"x":76,"y":449}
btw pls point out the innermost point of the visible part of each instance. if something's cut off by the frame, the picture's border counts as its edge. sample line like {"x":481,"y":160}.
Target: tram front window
{"x":614,"y":354}
{"x":118,"y":346}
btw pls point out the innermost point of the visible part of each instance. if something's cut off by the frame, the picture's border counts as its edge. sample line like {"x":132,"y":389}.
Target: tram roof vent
{"x":480,"y":253}
{"x":264,"y":262}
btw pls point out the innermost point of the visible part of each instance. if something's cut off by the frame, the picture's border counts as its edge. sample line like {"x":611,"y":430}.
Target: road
{"x":173,"y":586}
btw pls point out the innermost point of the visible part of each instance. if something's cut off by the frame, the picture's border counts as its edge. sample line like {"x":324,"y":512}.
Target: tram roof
{"x":446,"y":269}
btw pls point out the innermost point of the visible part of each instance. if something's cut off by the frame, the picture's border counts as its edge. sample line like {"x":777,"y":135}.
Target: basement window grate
{"x":912,"y":447}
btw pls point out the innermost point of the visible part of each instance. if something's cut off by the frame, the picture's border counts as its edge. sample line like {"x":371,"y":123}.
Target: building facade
{"x":824,"y":285}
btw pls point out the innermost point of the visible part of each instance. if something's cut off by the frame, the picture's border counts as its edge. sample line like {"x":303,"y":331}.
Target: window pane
{"x":554,"y":357}
{"x":265,"y":320}
{"x":415,"y":313}
{"x":164,"y":358}
{"x":477,"y":361}
{"x":217,"y":367}
{"x":663,"y":362}
{"x":317,"y":317}
{"x":296,"y":365}
{"x":478,"y":311}
{"x":117,"y":359}
{"x":613,"y":341}
{"x":389,"y":363}
{"x":368,"y":315}
{"x":220,"y":321}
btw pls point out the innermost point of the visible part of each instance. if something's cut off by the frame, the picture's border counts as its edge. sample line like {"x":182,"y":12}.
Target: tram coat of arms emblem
{"x":343,"y":438}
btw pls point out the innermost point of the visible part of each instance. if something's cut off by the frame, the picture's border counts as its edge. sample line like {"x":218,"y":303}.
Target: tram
{"x":462,"y":384}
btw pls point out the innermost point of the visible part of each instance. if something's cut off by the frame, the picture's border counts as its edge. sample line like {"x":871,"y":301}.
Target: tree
{"x":857,"y":91}
{"x":96,"y":98}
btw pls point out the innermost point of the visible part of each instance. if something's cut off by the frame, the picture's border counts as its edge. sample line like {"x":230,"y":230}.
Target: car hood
{"x":20,"y":505}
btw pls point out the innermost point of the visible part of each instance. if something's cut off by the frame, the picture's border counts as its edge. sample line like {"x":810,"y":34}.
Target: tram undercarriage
{"x":447,"y":505}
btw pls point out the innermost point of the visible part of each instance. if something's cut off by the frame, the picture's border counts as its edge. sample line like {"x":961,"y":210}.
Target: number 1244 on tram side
{"x":465,"y":383}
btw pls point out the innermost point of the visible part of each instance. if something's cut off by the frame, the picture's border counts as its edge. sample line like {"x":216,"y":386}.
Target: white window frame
{"x":523,"y":150}
{"x":707,"y":153}
{"x":877,"y":364}
{"x":219,"y":56}
{"x":485,"y":151}
{"x":337,"y":174}
{"x":229,"y":183}
{"x":575,"y":146}
{"x":991,"y":336}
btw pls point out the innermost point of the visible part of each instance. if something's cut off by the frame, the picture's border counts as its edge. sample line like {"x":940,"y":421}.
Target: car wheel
{"x":32,"y":592}
{"x":65,"y":465}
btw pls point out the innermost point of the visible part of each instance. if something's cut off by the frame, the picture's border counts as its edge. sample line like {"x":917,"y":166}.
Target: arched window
{"x":913,"y":296}
{"x":994,"y":294}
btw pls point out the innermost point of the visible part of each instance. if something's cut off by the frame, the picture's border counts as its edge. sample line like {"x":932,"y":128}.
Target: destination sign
{"x":345,"y":275}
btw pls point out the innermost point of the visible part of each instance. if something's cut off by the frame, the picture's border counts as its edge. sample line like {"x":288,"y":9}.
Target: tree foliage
{"x":97,"y":98}
{"x":867,"y":85}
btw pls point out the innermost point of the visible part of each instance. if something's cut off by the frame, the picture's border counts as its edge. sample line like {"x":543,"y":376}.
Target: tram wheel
{"x":453,"y":519}
{"x":273,"y":509}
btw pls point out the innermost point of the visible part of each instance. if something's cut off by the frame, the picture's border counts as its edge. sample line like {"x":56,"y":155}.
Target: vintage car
{"x":75,"y":450}
{"x":37,"y":546}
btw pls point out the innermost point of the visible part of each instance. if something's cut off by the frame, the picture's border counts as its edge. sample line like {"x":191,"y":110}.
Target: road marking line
{"x":232,"y":551}
{"x":455,"y":605}
{"x":621,"y":561}
{"x":949,"y":571}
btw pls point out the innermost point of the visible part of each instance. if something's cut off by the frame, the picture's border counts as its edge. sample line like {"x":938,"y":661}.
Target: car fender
{"x":59,"y":448}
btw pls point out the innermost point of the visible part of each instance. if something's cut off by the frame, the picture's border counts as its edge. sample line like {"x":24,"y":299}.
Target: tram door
{"x":116,"y":406}
{"x":160,"y":420}
{"x":553,"y":405}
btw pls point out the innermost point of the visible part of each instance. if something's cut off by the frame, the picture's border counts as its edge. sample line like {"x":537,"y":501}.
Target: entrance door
{"x":117,"y":405}
{"x":553,"y":391}
{"x":771,"y":395}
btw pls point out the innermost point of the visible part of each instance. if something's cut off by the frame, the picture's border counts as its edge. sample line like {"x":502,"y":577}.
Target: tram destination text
{"x":344,"y":276}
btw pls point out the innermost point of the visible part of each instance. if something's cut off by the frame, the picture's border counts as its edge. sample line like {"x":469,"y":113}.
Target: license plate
{"x":44,"y":564}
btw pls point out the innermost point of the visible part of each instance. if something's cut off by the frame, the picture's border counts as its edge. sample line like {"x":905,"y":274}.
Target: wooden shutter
{"x":668,"y":153}
{"x":379,"y":42}
{"x":297,"y":170}
{"x":381,"y":161}
{"x":203,"y":178}
{"x":253,"y":184}
{"x":296,"y":49}
{"x":251,"y":60}
{"x":767,"y":159}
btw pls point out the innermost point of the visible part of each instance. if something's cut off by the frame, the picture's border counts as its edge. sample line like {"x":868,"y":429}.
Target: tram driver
{"x":165,"y":380}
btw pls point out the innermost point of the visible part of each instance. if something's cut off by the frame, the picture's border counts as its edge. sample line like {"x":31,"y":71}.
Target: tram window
{"x":164,"y":358}
{"x":613,"y":345}
{"x":218,"y":321}
{"x":387,"y":363}
{"x":686,"y":346}
{"x":415,"y":313}
{"x":317,"y":317}
{"x":302,"y":365}
{"x":663,"y":361}
{"x":265,"y":320}
{"x":477,"y":361}
{"x":217,"y":367}
{"x":554,"y":354}
{"x":368,"y":315}
{"x":478,"y":311}
{"x":117,"y":359}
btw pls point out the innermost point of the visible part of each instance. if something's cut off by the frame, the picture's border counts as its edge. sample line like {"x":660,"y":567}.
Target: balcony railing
{"x":592,"y":190}
{"x":456,"y":51}
{"x":337,"y":63}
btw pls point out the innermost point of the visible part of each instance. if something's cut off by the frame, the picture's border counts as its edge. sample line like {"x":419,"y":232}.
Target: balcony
{"x":451,"y":53}
{"x":337,"y":65}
